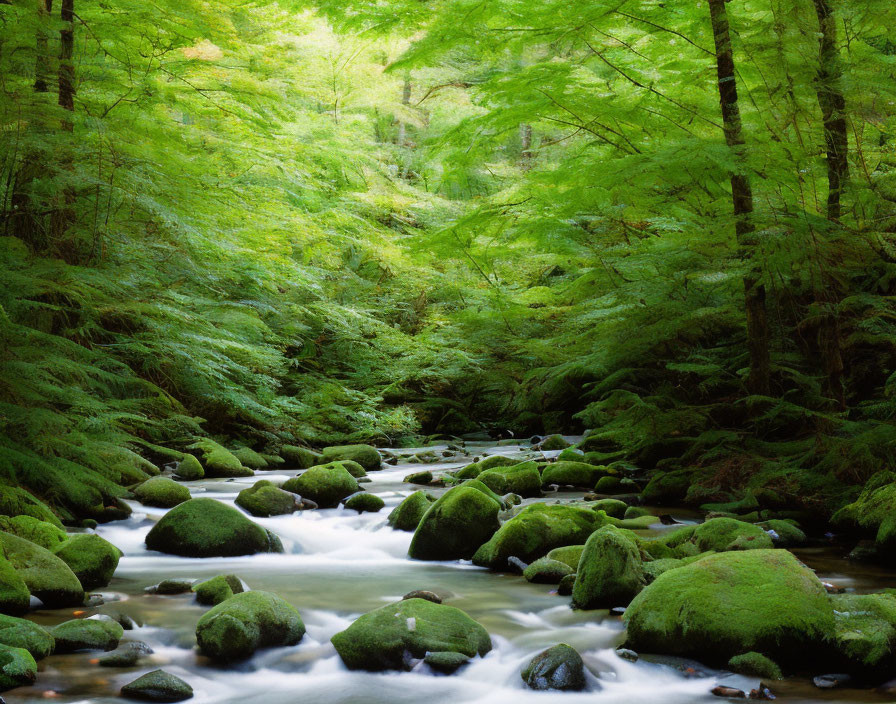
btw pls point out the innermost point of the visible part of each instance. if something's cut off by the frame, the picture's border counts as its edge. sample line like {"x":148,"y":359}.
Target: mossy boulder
{"x":236,"y":628}
{"x":609,"y":485}
{"x":726,"y":604}
{"x":569,"y":555}
{"x":547,"y":571}
{"x":666,"y":488}
{"x":636,"y":512}
{"x":480,"y":487}
{"x":572,"y":454}
{"x":875,"y":504}
{"x":15,"y":501}
{"x":189,"y":469}
{"x":353,"y":468}
{"x":46,"y":575}
{"x":554,"y":442}
{"x":455,"y":526}
{"x":446,"y":661}
{"x":19,"y":633}
{"x":365,"y":455}
{"x":265,"y":499}
{"x":162,"y":492}
{"x":407,"y":515}
{"x":92,"y":558}
{"x":94,"y":633}
{"x":721,"y":534}
{"x":522,"y":479}
{"x":218,"y":461}
{"x":217,"y":589}
{"x":14,"y":595}
{"x":535,"y":531}
{"x":755,"y":664}
{"x":418,"y":478}
{"x":158,"y":686}
{"x":865,"y":632}
{"x":326,"y":484}
{"x":207,"y":528}
{"x":609,"y":572}
{"x":300,"y":457}
{"x":364,"y":502}
{"x":559,"y":667}
{"x":250,"y":458}
{"x":473,"y":470}
{"x":612,"y":507}
{"x":383,"y":639}
{"x":579,"y":474}
{"x":17,"y":668}
{"x":39,"y":532}
{"x":784,"y":534}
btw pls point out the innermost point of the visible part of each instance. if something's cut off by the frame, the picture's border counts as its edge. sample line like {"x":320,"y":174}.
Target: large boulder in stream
{"x":365,"y":455}
{"x":95,"y":633}
{"x":407,"y":515}
{"x":326,"y":484}
{"x":390,"y":637}
{"x":17,"y":668}
{"x":93,"y":559}
{"x":158,"y":686}
{"x":609,"y":571}
{"x":300,"y":457}
{"x":207,"y":528}
{"x":266,"y":499}
{"x":579,"y":474}
{"x":559,"y":667}
{"x":14,"y":595}
{"x":162,"y":492}
{"x":20,"y":633}
{"x":236,"y":628}
{"x":523,"y":479}
{"x":455,"y":526}
{"x":218,"y":460}
{"x":472,"y":471}
{"x":45,"y":575}
{"x":730,"y":603}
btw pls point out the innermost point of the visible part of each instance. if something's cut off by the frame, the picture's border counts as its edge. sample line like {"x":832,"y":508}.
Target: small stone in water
{"x":171,"y":586}
{"x":446,"y":661}
{"x":423,"y":594}
{"x":513,"y":561}
{"x":831,"y":681}
{"x":729,"y":692}
{"x":627,"y":654}
{"x":617,"y":611}
{"x":763,"y":693}
{"x":158,"y":686}
{"x":667,"y":520}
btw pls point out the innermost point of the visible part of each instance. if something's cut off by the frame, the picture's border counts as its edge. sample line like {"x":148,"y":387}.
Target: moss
{"x":579,"y":474}
{"x":158,"y":686}
{"x":471,"y":471}
{"x":189,"y":469}
{"x":218,"y":461}
{"x":407,"y":515}
{"x":636,"y":512}
{"x":571,"y":454}
{"x":326,"y":484}
{"x":612,"y":507}
{"x":725,"y":604}
{"x":217,"y":589}
{"x":720,"y":534}
{"x":161,"y":492}
{"x":353,"y":468}
{"x":787,"y":532}
{"x":207,"y":528}
{"x":666,"y":488}
{"x":547,"y":571}
{"x":418,"y":478}
{"x":46,"y":535}
{"x":300,"y":457}
{"x":446,"y":661}
{"x":379,"y":640}
{"x":17,"y":668}
{"x":19,"y":633}
{"x":272,"y":460}
{"x":609,"y":485}
{"x":554,"y":442}
{"x":92,"y":559}
{"x":568,"y":555}
{"x":482,"y":488}
{"x":365,"y":455}
{"x":535,"y":531}
{"x":746,"y":504}
{"x":265,"y":499}
{"x":559,"y":667}
{"x":364,"y":502}
{"x":865,"y":632}
{"x":609,"y":572}
{"x":755,"y":664}
{"x":655,"y":568}
{"x":250,"y":458}
{"x":46,"y":576}
{"x":522,"y":479}
{"x":236,"y":628}
{"x":14,"y":595}
{"x":15,"y":501}
{"x":87,"y":634}
{"x":455,"y":526}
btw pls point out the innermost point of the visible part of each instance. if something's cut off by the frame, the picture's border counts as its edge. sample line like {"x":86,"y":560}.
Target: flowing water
{"x":339,"y":564}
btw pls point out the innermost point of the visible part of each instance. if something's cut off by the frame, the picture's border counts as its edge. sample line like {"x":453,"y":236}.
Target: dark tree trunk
{"x":758,"y":381}
{"x":42,"y":63}
{"x":526,"y":144}
{"x":63,"y":216}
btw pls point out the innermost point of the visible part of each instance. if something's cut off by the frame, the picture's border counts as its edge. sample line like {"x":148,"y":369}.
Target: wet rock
{"x":446,"y":661}
{"x":170,"y":587}
{"x":158,"y":686}
{"x":208,"y":528}
{"x":559,"y":667}
{"x":579,"y":474}
{"x":635,"y":512}
{"x":265,"y":499}
{"x":236,"y":628}
{"x":455,"y":526}
{"x":785,"y":534}
{"x":364,"y":502}
{"x":516,"y":564}
{"x":570,"y":555}
{"x":472,"y":471}
{"x":325,"y":484}
{"x":126,"y":655}
{"x":407,"y":515}
{"x":864,"y":551}
{"x":512,"y":499}
{"x":92,"y":559}
{"x":423,"y":594}
{"x":95,"y":633}
{"x":125,"y":621}
{"x":522,"y":479}
{"x":755,"y":664}
{"x":667,"y":520}
{"x":547,"y":571}
{"x":567,"y":584}
{"x":19,"y":633}
{"x":618,"y":611}
{"x":728,"y":692}
{"x":382,"y":639}
{"x":218,"y":461}
{"x":14,"y":595}
{"x":721,"y":534}
{"x":419,"y":478}
{"x":162,"y":492}
{"x":44,"y":574}
{"x":189,"y":469}
{"x":627,"y":654}
{"x":17,"y":668}
{"x":365,"y":455}
{"x":553,"y":442}
{"x":612,"y":507}
{"x":831,"y":681}
{"x":218,"y":589}
{"x":300,"y":457}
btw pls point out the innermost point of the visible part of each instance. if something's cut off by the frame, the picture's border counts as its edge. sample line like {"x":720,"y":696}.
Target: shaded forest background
{"x":275,"y":223}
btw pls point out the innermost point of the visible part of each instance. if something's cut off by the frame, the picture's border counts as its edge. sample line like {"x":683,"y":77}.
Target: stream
{"x":338,"y":565}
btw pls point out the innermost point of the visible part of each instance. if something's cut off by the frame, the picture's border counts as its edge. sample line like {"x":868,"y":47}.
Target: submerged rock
{"x":236,"y":628}
{"x":92,"y":559}
{"x":158,"y":686}
{"x":455,"y":526}
{"x":265,"y":499}
{"x":325,"y":484}
{"x":384,"y":639}
{"x":87,"y":634}
{"x":407,"y":515}
{"x":207,"y":528}
{"x":610,"y":572}
{"x":19,"y":633}
{"x":365,"y":455}
{"x":559,"y":667}
{"x":162,"y":492}
{"x":45,"y":575}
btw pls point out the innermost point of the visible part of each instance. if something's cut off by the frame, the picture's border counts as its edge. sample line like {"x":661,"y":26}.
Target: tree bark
{"x":42,"y":47}
{"x":64,"y":216}
{"x":758,"y":381}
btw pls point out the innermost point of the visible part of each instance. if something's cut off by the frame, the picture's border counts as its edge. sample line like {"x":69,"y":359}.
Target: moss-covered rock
{"x":571,"y":454}
{"x":207,"y":528}
{"x":865,"y":632}
{"x":17,"y":668}
{"x":559,"y":667}
{"x":46,"y":576}
{"x":19,"y":633}
{"x":609,"y":572}
{"x":407,"y":515}
{"x":522,"y":479}
{"x":217,"y":589}
{"x":300,"y":457}
{"x":721,"y":534}
{"x":365,"y":455}
{"x":480,"y":487}
{"x":446,"y":661}
{"x":755,"y":664}
{"x":87,"y":634}
{"x":455,"y":526}
{"x":612,"y":507}
{"x":730,"y":603}
{"x":579,"y":474}
{"x":14,"y":595}
{"x":666,"y":488}
{"x":554,"y":442}
{"x":569,"y":555}
{"x":784,"y":534}
{"x":92,"y":558}
{"x":326,"y":484}
{"x":609,"y":485}
{"x":636,"y":512}
{"x":218,"y":461}
{"x":382,"y":639}
{"x":158,"y":686}
{"x":236,"y":628}
{"x":353,"y":468}
{"x":875,"y":504}
{"x":39,"y":532}
{"x":419,"y":478}
{"x":473,"y":470}
{"x":535,"y":531}
{"x":161,"y":492}
{"x":547,"y":571}
{"x":265,"y":499}
{"x":250,"y":458}
{"x":15,"y":501}
{"x":364,"y":502}
{"x":189,"y":469}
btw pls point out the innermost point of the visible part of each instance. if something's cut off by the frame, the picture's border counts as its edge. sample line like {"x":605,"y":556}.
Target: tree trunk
{"x":42,"y":62}
{"x":758,"y":381}
{"x":526,"y":145}
{"x":63,"y":216}
{"x":405,"y":100}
